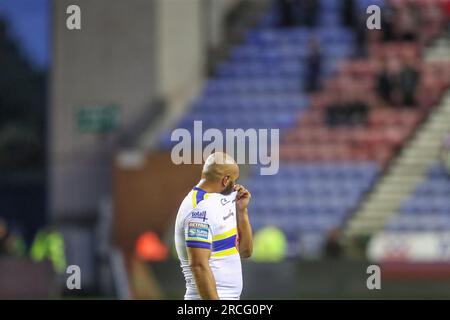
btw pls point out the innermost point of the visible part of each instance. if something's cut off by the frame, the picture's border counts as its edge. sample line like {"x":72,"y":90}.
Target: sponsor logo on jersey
{"x":199,"y":215}
{"x":230,"y":214}
{"x":198,"y":230}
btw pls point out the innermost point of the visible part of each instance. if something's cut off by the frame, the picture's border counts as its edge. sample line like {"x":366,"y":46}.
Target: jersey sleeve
{"x":198,"y":228}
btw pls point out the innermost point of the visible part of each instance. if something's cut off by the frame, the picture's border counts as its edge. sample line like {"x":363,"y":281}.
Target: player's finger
{"x":244,"y":193}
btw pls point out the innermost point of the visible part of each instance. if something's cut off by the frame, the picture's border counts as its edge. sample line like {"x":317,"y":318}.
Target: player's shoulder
{"x":214,"y":201}
{"x":211,"y":205}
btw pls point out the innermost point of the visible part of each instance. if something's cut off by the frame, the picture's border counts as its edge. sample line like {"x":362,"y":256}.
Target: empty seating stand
{"x":309,"y":200}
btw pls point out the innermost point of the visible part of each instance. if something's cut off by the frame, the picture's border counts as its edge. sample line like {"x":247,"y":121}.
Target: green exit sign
{"x":97,"y":118}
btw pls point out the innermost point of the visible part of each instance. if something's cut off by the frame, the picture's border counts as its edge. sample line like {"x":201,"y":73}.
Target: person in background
{"x":313,"y":66}
{"x":3,"y":236}
{"x":298,"y":13}
{"x":446,"y":12}
{"x":308,"y":12}
{"x":11,"y":242}
{"x":360,"y":30}
{"x":387,"y":22}
{"x":333,"y":248}
{"x":286,"y":8}
{"x":270,"y":245}
{"x":407,"y":23}
{"x":432,"y":21}
{"x":347,"y":108}
{"x":409,"y":78}
{"x":49,"y":245}
{"x":355,"y":22}
{"x":348,"y":14}
{"x":397,"y":84}
{"x":387,"y":81}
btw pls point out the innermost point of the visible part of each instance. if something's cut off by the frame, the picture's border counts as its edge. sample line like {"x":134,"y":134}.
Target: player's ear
{"x":225,"y":180}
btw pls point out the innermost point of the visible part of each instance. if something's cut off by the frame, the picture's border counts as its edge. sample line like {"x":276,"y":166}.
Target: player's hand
{"x":242,"y":198}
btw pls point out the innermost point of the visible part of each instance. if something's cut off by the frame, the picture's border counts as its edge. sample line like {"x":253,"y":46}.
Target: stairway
{"x":409,"y":167}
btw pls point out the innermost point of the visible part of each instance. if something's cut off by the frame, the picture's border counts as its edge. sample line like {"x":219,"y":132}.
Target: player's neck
{"x":208,"y":187}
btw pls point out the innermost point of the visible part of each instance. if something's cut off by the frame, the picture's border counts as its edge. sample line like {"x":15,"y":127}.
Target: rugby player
{"x":213,"y":232}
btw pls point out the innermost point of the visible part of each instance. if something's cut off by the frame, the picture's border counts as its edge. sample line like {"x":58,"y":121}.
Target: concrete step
{"x":407,"y":170}
{"x":428,"y":143}
{"x":370,"y":215}
{"x":389,"y":188}
{"x":380,"y":206}
{"x":437,"y":127}
{"x":401,"y":180}
{"x":424,"y":151}
{"x":364,"y":226}
{"x":392,"y":192}
{"x":418,"y":161}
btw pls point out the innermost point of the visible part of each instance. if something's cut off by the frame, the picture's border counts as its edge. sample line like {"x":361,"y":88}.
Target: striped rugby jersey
{"x":208,"y":220}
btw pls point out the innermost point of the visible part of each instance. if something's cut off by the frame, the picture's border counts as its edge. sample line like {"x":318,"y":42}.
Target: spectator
{"x":11,"y":243}
{"x":397,"y":84}
{"x":333,"y":248}
{"x":387,"y":22}
{"x":407,"y":23}
{"x":351,"y":19}
{"x":348,"y":14}
{"x":286,"y":13}
{"x":409,"y":78}
{"x":446,"y":9}
{"x":313,"y":66}
{"x":3,"y":236}
{"x":446,"y":12}
{"x":401,"y":22}
{"x":49,"y":245}
{"x":387,"y":81}
{"x":432,"y":21}
{"x":308,"y":12}
{"x":346,"y":110}
{"x":298,"y":12}
{"x":360,"y":29}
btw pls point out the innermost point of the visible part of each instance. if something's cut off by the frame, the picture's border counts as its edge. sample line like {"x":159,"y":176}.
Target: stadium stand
{"x":339,"y":139}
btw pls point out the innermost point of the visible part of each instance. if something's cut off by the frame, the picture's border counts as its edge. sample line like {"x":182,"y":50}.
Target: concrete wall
{"x":185,"y":30}
{"x":180,"y":47}
{"x":110,"y":60}
{"x":217,"y":10}
{"x":128,"y":53}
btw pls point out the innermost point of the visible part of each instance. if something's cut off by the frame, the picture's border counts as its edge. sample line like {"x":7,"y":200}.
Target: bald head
{"x":219,"y":173}
{"x":219,"y":165}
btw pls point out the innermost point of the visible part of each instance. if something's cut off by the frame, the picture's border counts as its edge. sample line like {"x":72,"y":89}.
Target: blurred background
{"x":86,"y":115}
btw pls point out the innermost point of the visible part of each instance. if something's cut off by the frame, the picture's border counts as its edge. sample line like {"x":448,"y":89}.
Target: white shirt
{"x":208,"y":220}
